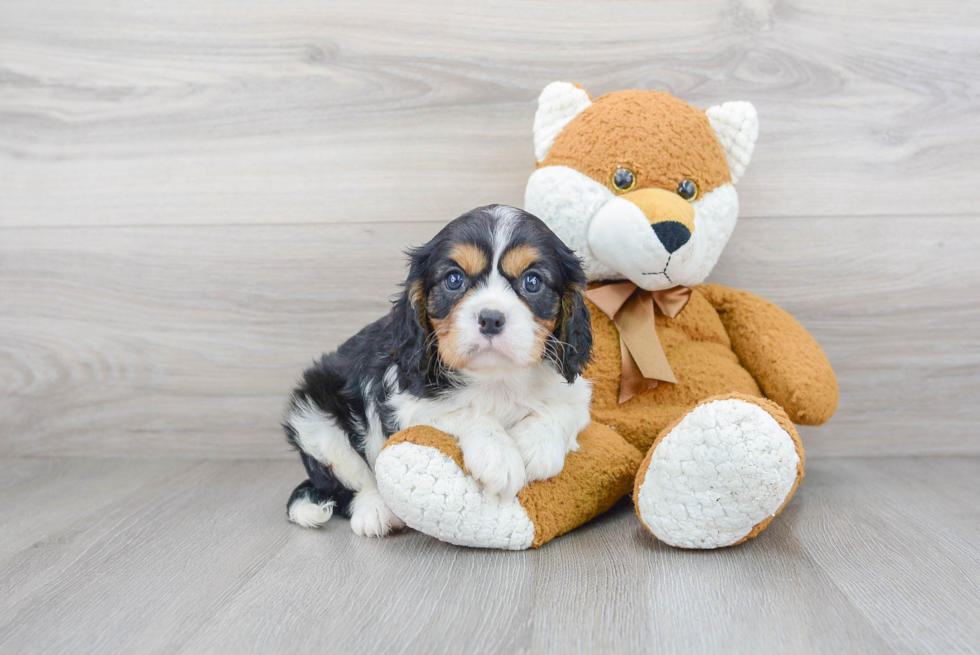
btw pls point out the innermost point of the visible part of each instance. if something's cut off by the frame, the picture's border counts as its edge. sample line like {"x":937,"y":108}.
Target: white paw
{"x":542,"y":448}
{"x":496,"y":463}
{"x":370,"y":517}
{"x":306,"y":513}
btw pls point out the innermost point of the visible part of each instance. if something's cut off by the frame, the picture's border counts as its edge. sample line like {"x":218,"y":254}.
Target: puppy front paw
{"x":496,"y":464}
{"x":542,"y":448}
{"x":370,"y":516}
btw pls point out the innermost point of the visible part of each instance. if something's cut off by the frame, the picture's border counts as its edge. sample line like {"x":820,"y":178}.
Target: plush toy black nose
{"x":491,"y":322}
{"x":672,"y":234}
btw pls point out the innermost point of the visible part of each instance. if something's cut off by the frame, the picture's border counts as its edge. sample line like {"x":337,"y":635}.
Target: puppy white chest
{"x":507,"y":399}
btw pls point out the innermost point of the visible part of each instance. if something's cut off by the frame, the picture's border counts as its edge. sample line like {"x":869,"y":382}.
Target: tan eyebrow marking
{"x":469,"y":257}
{"x":516,"y":260}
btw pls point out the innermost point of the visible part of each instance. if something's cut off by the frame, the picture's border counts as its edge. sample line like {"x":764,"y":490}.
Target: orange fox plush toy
{"x":695,"y":386}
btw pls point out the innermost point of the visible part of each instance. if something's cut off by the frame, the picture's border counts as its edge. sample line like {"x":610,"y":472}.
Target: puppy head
{"x":495,"y":291}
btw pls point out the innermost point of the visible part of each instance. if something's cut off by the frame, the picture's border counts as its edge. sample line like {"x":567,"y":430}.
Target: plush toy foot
{"x":422,"y":479}
{"x":720,"y":474}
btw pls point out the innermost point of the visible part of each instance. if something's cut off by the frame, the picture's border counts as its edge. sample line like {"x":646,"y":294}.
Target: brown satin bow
{"x":631,"y":309}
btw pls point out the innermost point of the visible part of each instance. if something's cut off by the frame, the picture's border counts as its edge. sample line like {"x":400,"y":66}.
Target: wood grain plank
{"x":259,"y":112}
{"x":202,"y":560}
{"x":149,"y":568}
{"x":207,"y":326}
{"x":50,"y":518}
{"x":185,"y":341}
{"x":40,"y":496}
{"x":409,"y":593}
{"x":900,"y":548}
{"x":747,"y":591}
{"x":602,"y":589}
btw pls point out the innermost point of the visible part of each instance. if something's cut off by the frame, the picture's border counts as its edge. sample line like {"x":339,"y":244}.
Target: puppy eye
{"x":532,"y":283}
{"x":623,"y":179}
{"x":687,"y":190}
{"x":454,"y":281}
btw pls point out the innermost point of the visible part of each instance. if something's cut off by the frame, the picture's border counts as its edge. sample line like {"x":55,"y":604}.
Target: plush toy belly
{"x":700,"y":354}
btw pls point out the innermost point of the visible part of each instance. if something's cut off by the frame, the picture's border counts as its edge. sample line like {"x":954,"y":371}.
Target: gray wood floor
{"x":126,"y":556}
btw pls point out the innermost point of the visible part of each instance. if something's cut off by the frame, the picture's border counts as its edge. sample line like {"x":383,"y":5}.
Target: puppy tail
{"x":309,"y":507}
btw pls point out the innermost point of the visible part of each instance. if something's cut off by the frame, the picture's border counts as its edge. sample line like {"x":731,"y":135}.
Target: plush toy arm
{"x":785,"y":360}
{"x":423,"y":480}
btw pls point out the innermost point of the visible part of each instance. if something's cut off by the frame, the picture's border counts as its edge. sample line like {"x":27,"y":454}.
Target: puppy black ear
{"x":573,"y":331}
{"x":573,"y":335}
{"x":411,"y":330}
{"x":412,"y":344}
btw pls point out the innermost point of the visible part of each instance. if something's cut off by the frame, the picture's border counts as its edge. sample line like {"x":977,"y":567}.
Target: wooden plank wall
{"x":196,"y":197}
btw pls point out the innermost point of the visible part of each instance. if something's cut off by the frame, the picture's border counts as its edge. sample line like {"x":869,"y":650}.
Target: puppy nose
{"x":491,"y":322}
{"x":672,"y":234}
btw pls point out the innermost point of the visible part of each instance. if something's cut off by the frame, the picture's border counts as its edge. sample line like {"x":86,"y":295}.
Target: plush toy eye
{"x":532,"y":283}
{"x":623,"y":179}
{"x":454,"y":281}
{"x":687,"y":190}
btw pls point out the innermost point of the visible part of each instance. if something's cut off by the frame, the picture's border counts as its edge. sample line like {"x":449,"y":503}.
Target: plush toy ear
{"x":558,"y":104}
{"x":737,"y":127}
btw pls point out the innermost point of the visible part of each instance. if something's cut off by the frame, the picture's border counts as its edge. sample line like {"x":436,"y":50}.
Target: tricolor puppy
{"x":487,"y":343}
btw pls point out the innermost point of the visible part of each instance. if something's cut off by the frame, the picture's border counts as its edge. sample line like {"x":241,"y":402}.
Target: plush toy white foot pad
{"x":431,"y":493}
{"x":725,"y":468}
